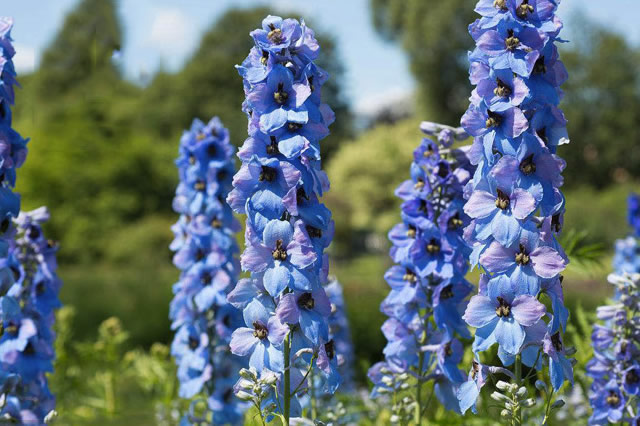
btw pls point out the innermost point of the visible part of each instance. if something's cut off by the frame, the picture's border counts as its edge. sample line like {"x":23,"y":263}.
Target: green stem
{"x":547,"y":409}
{"x":517,"y":415}
{"x":287,"y":378}
{"x":314,"y":412}
{"x":418,"y":412}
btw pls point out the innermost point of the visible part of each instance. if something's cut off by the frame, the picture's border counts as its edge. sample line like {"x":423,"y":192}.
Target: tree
{"x":602,"y":104}
{"x":434,"y":34}
{"x":84,"y":47}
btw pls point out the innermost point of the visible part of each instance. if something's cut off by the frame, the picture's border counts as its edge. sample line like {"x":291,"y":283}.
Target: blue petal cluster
{"x":340,"y":333}
{"x":26,"y":343}
{"x":206,"y":254}
{"x":514,"y":198}
{"x":13,"y":152}
{"x":615,"y":366}
{"x":285,"y":306}
{"x":428,"y":286}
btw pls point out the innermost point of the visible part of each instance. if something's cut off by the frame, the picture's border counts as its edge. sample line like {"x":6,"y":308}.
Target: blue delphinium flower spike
{"x":278,"y":187}
{"x":514,"y":198}
{"x":427,"y":282}
{"x":206,"y":254}
{"x":26,"y":346}
{"x":13,"y":152}
{"x":615,"y":366}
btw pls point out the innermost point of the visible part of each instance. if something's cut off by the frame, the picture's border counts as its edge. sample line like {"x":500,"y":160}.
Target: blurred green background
{"x":102,"y":151}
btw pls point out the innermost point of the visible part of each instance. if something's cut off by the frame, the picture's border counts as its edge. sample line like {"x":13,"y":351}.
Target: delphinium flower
{"x":26,"y":344}
{"x":514,"y":198}
{"x":206,"y":254}
{"x":615,"y":366}
{"x":428,"y":289}
{"x":284,"y":303}
{"x":626,"y":257}
{"x":13,"y":152}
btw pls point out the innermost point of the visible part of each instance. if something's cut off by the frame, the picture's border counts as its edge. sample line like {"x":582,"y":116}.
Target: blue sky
{"x":168,"y":31}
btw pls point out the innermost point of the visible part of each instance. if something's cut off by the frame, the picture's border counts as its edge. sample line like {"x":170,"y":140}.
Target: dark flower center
{"x":522,"y":257}
{"x":527,"y":166}
{"x":260,"y":331}
{"x":524,"y":9}
{"x":267,"y":174}
{"x":40,"y":288}
{"x":4,"y":226}
{"x":280,"y":253}
{"x":306,"y":301}
{"x":502,"y":90}
{"x":206,"y":278}
{"x":493,"y":120}
{"x":311,"y":86}
{"x":199,"y":255}
{"x":475,"y":369}
{"x":613,"y":399}
{"x":500,"y":4}
{"x":294,"y":126}
{"x":264,"y":58}
{"x":29,"y":349}
{"x":447,"y":349}
{"x":200,"y":185}
{"x":446,"y":293}
{"x":512,"y":42}
{"x":428,"y":152}
{"x":542,"y":134}
{"x":272,"y":149}
{"x":192,"y":159}
{"x":200,"y":136}
{"x":455,"y":222}
{"x":540,"y":67}
{"x":555,"y":222}
{"x":330,"y":349}
{"x":34,"y":232}
{"x":314,"y":232}
{"x":275,"y":35}
{"x":419,"y":184}
{"x":433,"y":247}
{"x":503,"y":309}
{"x":556,"y":341}
{"x":211,"y":150}
{"x":411,"y":232}
{"x":193,"y":343}
{"x":502,"y":200}
{"x":410,"y":276}
{"x":216,"y":223}
{"x":280,"y":96}
{"x":423,"y":206}
{"x":632,"y":377}
{"x":226,"y":396}
{"x":443,"y":170}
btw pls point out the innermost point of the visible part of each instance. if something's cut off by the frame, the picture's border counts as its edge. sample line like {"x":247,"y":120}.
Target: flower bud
{"x":558,"y":404}
{"x":503,"y":386}
{"x":541,"y":386}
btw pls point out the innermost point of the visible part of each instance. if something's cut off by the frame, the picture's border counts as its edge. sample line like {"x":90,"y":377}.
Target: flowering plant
{"x":205,"y":250}
{"x":514,"y":198}
{"x":615,"y":366}
{"x":284,"y":303}
{"x":428,"y":289}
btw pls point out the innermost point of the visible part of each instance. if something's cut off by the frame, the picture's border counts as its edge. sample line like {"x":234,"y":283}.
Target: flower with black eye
{"x":282,"y":254}
{"x":261,"y":339}
{"x":310,"y":310}
{"x":501,"y":317}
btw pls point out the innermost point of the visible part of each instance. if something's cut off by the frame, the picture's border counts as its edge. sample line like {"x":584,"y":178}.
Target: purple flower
{"x":309,"y":309}
{"x":501,"y":317}
{"x":261,"y":339}
{"x":608,"y":404}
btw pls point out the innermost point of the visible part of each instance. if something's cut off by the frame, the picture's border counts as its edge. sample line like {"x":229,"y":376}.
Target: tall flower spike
{"x":26,"y":345}
{"x":428,"y":289}
{"x":615,"y":366}
{"x":514,"y":198}
{"x":285,"y":306}
{"x":206,"y":254}
{"x":13,"y":152}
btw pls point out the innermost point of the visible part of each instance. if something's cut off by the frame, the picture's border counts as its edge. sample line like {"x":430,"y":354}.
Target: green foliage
{"x":602,"y":105}
{"x":90,"y":34}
